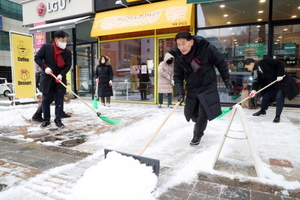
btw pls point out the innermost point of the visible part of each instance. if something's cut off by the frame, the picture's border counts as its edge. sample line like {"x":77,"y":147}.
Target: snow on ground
{"x":171,"y":145}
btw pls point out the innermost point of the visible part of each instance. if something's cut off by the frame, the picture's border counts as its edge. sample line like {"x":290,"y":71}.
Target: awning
{"x":165,"y":14}
{"x":67,"y":24}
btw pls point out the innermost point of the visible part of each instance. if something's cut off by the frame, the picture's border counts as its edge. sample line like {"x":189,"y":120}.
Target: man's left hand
{"x":58,"y":78}
{"x":228,"y":85}
{"x":279,"y":78}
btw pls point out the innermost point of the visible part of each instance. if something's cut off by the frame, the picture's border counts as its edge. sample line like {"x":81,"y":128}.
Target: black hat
{"x":248,"y":61}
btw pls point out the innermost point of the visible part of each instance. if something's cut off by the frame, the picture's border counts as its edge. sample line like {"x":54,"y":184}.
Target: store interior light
{"x":260,"y":11}
{"x":262,"y":1}
{"x":225,"y":15}
{"x":222,"y":6}
{"x":294,"y":16}
{"x":259,"y":19}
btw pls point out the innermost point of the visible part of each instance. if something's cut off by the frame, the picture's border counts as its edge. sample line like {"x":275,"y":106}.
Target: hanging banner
{"x":22,"y":62}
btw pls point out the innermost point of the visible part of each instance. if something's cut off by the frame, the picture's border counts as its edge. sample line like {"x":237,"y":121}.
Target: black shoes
{"x":260,"y":112}
{"x":64,"y":115}
{"x":45,"y":124}
{"x":37,"y":118}
{"x":276,"y":119}
{"x":59,"y":124}
{"x":196,"y":139}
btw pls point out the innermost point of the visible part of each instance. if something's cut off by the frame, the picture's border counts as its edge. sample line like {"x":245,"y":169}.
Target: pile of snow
{"x":116,"y":177}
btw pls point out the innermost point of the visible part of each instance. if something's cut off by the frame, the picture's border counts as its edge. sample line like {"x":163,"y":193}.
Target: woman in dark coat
{"x":104,"y":77}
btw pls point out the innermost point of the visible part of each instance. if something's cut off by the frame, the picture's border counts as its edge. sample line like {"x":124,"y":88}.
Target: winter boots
{"x":59,"y":124}
{"x":45,"y":124}
{"x":276,"y":119}
{"x":37,"y":117}
{"x":196,"y":139}
{"x":260,"y":112}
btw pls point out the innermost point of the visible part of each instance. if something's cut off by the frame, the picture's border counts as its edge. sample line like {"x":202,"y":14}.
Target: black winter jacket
{"x":104,"y":73}
{"x":44,"y":58}
{"x":273,"y":68}
{"x":201,"y":86}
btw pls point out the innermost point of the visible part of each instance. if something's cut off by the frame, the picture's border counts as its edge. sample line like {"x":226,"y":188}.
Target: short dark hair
{"x":60,"y":34}
{"x":184,"y":34}
{"x":248,"y":61}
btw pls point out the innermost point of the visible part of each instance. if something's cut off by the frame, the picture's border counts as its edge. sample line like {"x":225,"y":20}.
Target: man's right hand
{"x":252,"y":94}
{"x":48,"y":70}
{"x":180,"y":98}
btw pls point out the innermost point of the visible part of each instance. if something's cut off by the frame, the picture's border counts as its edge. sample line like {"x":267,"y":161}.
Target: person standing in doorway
{"x":54,"y":59}
{"x":194,"y":70}
{"x":104,"y":78}
{"x":144,"y":81}
{"x":266,"y":71}
{"x":165,"y":79}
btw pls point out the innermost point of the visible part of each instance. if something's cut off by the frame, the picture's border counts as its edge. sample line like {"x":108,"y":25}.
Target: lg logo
{"x":51,"y":7}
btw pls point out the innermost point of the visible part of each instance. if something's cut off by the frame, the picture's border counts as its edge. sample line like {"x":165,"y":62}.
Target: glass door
{"x":164,"y":46}
{"x":86,"y":58}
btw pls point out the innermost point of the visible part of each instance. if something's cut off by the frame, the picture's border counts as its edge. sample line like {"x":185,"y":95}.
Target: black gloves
{"x":229,"y":86}
{"x":180,"y":98}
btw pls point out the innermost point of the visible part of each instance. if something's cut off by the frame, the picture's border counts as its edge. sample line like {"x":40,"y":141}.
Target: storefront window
{"x":133,"y":67}
{"x":237,"y":44}
{"x":232,"y":12}
{"x":286,"y":49}
{"x":288,"y":9}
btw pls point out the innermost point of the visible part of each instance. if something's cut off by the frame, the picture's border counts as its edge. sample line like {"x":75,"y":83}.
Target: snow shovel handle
{"x":158,"y":129}
{"x":258,"y":91}
{"x":74,"y":94}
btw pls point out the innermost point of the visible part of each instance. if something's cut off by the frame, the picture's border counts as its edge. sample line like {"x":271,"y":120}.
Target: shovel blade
{"x":154,"y":163}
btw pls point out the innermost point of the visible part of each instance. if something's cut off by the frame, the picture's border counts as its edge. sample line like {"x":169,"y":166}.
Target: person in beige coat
{"x":165,"y":79}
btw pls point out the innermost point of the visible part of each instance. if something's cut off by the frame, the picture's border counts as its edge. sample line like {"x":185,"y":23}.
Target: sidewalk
{"x":36,"y":171}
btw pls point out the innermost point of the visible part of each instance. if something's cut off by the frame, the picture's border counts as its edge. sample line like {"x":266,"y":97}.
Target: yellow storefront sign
{"x":166,"y":14}
{"x":22,"y":61}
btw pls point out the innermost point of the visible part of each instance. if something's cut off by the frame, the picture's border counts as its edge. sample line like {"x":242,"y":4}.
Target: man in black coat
{"x":54,"y":59}
{"x":266,"y":71}
{"x":194,"y":65}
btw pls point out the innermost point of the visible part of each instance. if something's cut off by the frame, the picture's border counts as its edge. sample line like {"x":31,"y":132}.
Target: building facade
{"x":136,"y":34}
{"x":10,"y":19}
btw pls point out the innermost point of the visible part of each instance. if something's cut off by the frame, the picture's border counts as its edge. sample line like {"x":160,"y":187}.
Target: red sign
{"x":41,"y":9}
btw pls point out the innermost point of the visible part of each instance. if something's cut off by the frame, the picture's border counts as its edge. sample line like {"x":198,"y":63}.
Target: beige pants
{"x":245,"y":94}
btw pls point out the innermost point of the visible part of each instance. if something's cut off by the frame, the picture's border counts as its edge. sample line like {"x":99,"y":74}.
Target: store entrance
{"x":165,"y":45}
{"x":86,"y":60}
{"x":286,"y":48}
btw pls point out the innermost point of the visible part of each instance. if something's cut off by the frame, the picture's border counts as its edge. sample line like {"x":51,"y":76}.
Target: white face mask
{"x":61,"y":45}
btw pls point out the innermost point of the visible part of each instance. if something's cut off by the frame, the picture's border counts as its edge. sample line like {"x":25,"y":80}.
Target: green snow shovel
{"x":95,"y":100}
{"x":226,"y":110}
{"x":106,"y":119}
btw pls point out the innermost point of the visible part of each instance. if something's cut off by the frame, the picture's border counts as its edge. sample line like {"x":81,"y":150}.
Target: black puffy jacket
{"x":201,"y":86}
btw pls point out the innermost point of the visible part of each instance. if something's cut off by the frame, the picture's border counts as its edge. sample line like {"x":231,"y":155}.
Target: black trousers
{"x":39,"y":111}
{"x":48,"y":99}
{"x":200,"y":119}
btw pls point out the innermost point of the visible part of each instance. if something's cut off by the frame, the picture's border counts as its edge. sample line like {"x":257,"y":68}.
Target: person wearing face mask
{"x":196,"y":80}
{"x":54,"y":59}
{"x":104,"y":78}
{"x":165,"y":79}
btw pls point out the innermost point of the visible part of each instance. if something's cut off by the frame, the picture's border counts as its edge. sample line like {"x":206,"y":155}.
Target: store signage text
{"x":51,"y":7}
